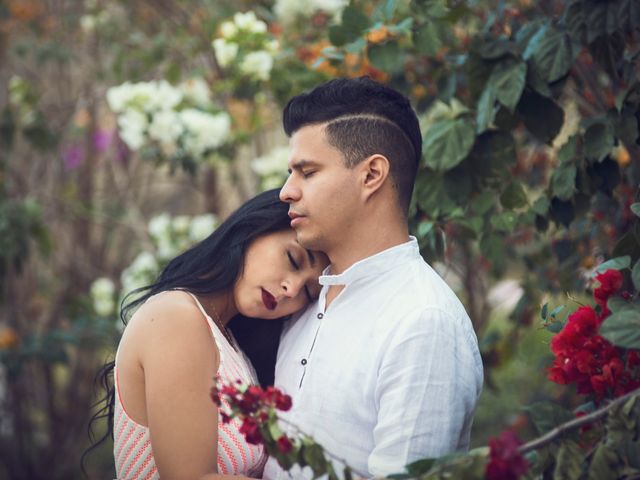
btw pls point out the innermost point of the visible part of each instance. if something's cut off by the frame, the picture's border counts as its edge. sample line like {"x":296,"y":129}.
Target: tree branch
{"x":578,"y":422}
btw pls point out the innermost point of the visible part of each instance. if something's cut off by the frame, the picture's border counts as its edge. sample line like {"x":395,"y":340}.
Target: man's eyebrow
{"x":300,"y":164}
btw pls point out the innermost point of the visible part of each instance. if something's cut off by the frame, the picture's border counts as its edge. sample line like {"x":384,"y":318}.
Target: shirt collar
{"x":373,"y":265}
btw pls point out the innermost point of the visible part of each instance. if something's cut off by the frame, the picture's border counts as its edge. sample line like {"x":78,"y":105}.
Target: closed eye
{"x":295,"y":265}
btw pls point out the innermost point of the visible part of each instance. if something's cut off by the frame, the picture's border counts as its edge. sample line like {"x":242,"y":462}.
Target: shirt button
{"x":320,"y":316}
{"x":303,"y":361}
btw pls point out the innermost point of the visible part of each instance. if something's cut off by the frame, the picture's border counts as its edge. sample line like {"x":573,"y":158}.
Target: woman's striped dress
{"x":132,"y":449}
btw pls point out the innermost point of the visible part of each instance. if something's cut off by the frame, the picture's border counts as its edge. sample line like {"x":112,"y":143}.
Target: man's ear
{"x":375,"y":172}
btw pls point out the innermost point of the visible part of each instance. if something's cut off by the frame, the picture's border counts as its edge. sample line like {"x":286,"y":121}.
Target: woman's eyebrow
{"x":312,"y":258}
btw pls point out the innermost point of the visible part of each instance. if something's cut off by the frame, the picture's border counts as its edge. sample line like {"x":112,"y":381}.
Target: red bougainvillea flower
{"x":610,"y":283}
{"x":505,"y":461}
{"x":251,"y":431}
{"x":284,"y":444}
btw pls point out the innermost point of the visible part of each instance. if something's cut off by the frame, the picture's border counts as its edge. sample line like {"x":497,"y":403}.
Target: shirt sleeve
{"x":428,"y":385}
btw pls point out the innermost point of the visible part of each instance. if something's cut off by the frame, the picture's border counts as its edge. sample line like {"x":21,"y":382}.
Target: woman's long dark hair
{"x":211,"y":266}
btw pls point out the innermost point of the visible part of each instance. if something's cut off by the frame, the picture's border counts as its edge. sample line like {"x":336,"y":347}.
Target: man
{"x":384,"y":368}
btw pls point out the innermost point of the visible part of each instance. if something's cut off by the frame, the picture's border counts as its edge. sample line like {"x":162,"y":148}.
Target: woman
{"x":178,"y":340}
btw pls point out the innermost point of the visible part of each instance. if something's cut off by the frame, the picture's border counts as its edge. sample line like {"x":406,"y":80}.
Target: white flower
{"x":289,"y":10}
{"x":204,"y":131}
{"x":332,"y":7}
{"x":257,"y":64}
{"x":144,"y":96}
{"x":273,"y":162}
{"x":228,"y":29}
{"x":88,"y":23}
{"x":160,"y":226}
{"x":102,"y":293}
{"x":132,"y":125}
{"x":143,"y":263}
{"x":249,"y":22}
{"x":196,"y":91}
{"x":201,"y":227}
{"x":272,"y":46}
{"x":165,"y":127}
{"x":226,"y":52}
{"x":180,"y":224}
{"x":117,"y":97}
{"x":163,"y":96}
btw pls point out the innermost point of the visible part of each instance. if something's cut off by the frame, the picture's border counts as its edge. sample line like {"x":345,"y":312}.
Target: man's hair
{"x":363,"y":118}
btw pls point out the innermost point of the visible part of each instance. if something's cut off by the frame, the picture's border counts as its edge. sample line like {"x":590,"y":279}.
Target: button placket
{"x":305,"y":360}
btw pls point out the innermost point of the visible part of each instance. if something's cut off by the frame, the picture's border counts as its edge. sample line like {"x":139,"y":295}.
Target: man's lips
{"x":269,"y":300}
{"x":296,"y":218}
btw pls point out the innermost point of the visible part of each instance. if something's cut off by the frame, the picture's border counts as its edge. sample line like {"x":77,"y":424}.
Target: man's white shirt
{"x":390,"y":373}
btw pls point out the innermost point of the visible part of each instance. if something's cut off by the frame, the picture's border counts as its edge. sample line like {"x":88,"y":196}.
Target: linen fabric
{"x":132,"y":450}
{"x":390,"y":373}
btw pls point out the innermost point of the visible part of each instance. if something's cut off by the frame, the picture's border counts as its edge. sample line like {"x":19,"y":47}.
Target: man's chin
{"x":306,"y":239}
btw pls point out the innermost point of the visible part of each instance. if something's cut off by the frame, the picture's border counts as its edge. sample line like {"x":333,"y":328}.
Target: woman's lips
{"x":269,"y":300}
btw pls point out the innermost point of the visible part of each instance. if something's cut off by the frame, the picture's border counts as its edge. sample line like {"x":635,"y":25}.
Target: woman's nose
{"x":292,"y":286}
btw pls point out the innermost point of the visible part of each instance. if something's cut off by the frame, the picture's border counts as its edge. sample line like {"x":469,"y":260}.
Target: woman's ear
{"x":375,"y":173}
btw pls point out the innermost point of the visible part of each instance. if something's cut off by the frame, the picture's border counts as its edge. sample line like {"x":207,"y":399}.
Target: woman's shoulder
{"x":169,"y":317}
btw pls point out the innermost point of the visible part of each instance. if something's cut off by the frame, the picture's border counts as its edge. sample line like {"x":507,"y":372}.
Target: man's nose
{"x":289,"y":192}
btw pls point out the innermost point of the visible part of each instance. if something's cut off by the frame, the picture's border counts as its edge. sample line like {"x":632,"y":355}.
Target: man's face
{"x":321,"y":191}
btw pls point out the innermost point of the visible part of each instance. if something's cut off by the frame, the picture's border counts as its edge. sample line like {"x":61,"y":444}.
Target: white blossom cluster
{"x":246,"y":45}
{"x":169,"y":236}
{"x":171,"y":117}
{"x":272,"y":167}
{"x":288,"y":11}
{"x":103,"y":295}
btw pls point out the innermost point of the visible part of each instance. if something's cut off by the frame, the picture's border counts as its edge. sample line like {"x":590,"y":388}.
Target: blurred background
{"x":129,"y":129}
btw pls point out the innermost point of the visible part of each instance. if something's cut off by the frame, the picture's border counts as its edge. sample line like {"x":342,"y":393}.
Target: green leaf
{"x":420,"y":466}
{"x":483,"y":202}
{"x":541,"y":206}
{"x":388,"y":57}
{"x":635,"y":208}
{"x":492,"y":247}
{"x":623,"y":328}
{"x":314,"y":456}
{"x":618,"y":263}
{"x":569,"y":461}
{"x":507,"y":81}
{"x":338,"y":35}
{"x":432,"y":196}
{"x":635,"y":275}
{"x":544,"y":311}
{"x":604,"y":463}
{"x":617,"y":304}
{"x":486,"y":110}
{"x":547,"y":415}
{"x":608,"y":52}
{"x":492,"y":48}
{"x":426,"y":39}
{"x":447,"y":143}
{"x":598,"y":141}
{"x":568,"y":150}
{"x":541,"y":115}
{"x":492,"y":154}
{"x":513,"y":196}
{"x":563,"y":181}
{"x":553,"y":53}
{"x":505,"y":221}
{"x":354,"y":21}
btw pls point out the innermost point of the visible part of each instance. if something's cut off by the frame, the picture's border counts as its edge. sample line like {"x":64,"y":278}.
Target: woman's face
{"x":279,"y":277}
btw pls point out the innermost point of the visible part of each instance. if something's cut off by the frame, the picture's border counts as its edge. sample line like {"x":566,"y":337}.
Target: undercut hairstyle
{"x":363,"y":118}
